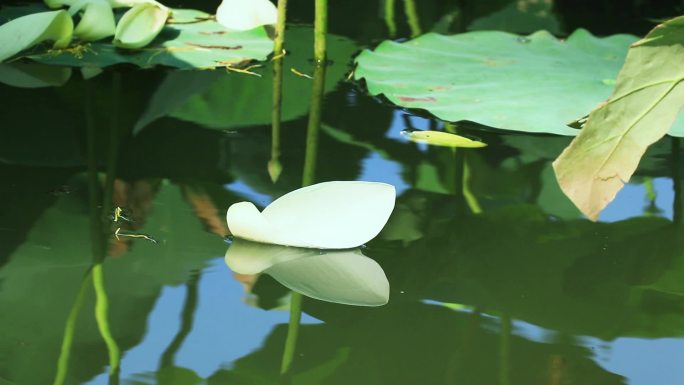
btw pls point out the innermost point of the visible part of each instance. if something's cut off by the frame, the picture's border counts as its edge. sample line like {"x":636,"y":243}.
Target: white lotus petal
{"x":340,"y":276}
{"x":243,"y":15}
{"x":330,"y":215}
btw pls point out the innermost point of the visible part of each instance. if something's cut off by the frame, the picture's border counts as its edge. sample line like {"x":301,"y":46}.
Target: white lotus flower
{"x":330,"y":215}
{"x":243,"y":15}
{"x":341,"y":276}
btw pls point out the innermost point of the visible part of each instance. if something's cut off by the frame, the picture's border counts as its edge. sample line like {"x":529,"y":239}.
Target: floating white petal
{"x":346,"y":277}
{"x":330,"y":215}
{"x":243,"y":15}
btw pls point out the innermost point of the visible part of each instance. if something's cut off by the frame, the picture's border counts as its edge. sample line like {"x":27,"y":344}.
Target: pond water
{"x":495,"y":277}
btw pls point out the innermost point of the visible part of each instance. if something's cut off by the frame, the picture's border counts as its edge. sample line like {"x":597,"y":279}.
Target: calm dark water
{"x":495,"y":278}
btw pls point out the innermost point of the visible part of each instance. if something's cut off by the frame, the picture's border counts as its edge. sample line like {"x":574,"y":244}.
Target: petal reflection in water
{"x":341,"y":276}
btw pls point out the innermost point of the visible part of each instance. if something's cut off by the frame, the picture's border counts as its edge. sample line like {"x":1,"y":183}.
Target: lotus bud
{"x":140,"y":25}
{"x":97,"y":19}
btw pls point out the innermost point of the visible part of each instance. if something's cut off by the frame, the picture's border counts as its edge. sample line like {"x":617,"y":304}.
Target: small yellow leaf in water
{"x":439,"y":138}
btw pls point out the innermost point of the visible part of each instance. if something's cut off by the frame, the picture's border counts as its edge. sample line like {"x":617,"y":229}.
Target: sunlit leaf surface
{"x":496,"y":78}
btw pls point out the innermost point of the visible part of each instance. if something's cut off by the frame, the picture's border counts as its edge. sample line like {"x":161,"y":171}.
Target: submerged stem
{"x":505,"y":350}
{"x":412,"y":17}
{"x":389,"y":18}
{"x":292,"y":332}
{"x":70,"y":330}
{"x":101,"y":317}
{"x":113,"y":144}
{"x":187,"y":321}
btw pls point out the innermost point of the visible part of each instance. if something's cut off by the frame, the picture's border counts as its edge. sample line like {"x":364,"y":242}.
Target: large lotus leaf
{"x":190,"y":39}
{"x":534,"y":84}
{"x":221,"y":101}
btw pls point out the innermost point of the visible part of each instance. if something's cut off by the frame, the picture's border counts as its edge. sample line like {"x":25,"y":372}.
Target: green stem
{"x":113,"y":144}
{"x":470,"y":198}
{"x":101,"y":317}
{"x":279,"y":41}
{"x":314,"y":125}
{"x":412,"y":17}
{"x":187,"y":321}
{"x":678,"y":203}
{"x":70,"y":330}
{"x":274,"y":166}
{"x":389,"y":18}
{"x":292,"y":332}
{"x":505,"y":350}
{"x":320,"y":29}
{"x":99,"y":243}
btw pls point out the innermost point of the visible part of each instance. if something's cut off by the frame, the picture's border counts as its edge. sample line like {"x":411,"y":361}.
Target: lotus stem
{"x":70,"y":330}
{"x":187,"y":320}
{"x":320,"y":29}
{"x":314,"y":125}
{"x":389,"y":18}
{"x":505,"y":350}
{"x":292,"y":332}
{"x":279,"y":41}
{"x":98,"y":243}
{"x":678,"y":202}
{"x":412,"y":17}
{"x":113,"y":144}
{"x":101,"y":317}
{"x":274,"y":166}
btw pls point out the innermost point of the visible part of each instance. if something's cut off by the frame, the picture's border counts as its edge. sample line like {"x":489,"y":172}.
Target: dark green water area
{"x":495,"y":277}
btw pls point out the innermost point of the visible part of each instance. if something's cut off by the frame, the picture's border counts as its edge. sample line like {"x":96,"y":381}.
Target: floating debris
{"x":439,"y":138}
{"x":300,"y":74}
{"x":146,"y":237}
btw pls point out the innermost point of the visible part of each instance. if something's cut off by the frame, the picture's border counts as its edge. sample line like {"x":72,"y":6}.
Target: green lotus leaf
{"x":535,"y":84}
{"x":190,"y":39}
{"x":201,"y":97}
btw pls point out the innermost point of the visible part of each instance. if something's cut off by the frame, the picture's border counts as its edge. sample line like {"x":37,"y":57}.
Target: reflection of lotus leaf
{"x":342,"y":276}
